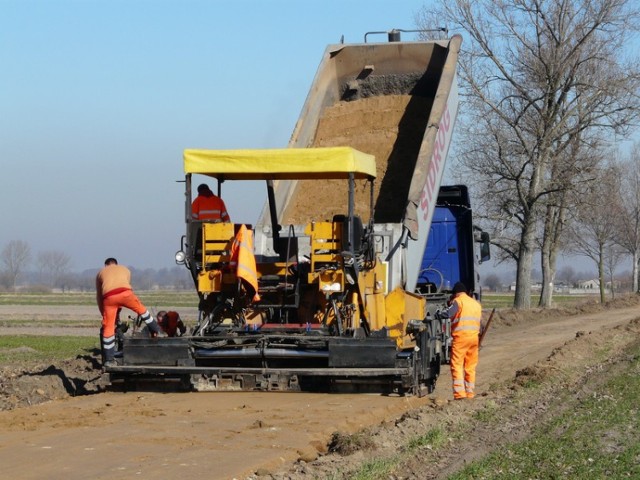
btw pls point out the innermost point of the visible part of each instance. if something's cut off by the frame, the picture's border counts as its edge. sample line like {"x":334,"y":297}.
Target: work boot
{"x":107,"y":349}
{"x":108,"y":358}
{"x":154,"y":328}
{"x":151,"y":324}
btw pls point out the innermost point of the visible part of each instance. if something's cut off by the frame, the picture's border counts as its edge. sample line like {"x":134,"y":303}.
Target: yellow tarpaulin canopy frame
{"x":281,"y":164}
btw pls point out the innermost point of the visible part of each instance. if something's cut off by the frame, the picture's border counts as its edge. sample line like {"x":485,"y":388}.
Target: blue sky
{"x":98,"y":99}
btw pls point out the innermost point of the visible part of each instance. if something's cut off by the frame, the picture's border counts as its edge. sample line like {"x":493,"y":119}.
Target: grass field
{"x":173,"y":298}
{"x":594,"y":436}
{"x":500,"y":300}
{"x":26,"y":350}
{"x":50,"y":322}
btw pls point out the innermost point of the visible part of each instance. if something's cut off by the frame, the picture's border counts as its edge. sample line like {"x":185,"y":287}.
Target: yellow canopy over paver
{"x":281,"y":164}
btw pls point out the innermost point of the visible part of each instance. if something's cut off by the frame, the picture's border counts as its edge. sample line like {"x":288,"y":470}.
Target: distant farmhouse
{"x":593,"y":284}
{"x":580,"y":288}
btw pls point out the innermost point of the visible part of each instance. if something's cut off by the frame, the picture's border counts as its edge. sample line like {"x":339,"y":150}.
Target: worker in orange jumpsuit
{"x":208,"y":207}
{"x":465,"y":313}
{"x":171,"y":323}
{"x":113,"y":291}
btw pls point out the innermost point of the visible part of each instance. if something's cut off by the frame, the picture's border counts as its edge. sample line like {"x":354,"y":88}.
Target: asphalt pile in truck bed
{"x":391,"y":128}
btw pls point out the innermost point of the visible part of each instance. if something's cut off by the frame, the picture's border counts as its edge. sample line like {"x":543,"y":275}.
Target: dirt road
{"x":232,"y":435}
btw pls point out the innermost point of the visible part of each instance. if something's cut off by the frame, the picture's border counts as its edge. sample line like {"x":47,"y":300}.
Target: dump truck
{"x":329,"y":289}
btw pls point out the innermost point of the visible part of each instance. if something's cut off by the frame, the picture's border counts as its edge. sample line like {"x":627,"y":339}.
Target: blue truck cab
{"x":449,"y":256}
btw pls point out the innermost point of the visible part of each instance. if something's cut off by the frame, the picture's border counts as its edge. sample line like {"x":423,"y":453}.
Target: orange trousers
{"x":464,"y":359}
{"x":112,"y":303}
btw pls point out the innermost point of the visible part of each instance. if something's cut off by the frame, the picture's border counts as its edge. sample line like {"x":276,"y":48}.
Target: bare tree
{"x":540,"y":78}
{"x":612,"y":258}
{"x":628,"y":231}
{"x":571,"y":173}
{"x":53,"y":266}
{"x":15,"y":257}
{"x":593,"y":231}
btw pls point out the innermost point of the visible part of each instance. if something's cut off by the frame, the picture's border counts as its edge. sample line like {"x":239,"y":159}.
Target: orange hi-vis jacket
{"x":243,"y":259}
{"x":210,"y":208}
{"x":466,"y":315}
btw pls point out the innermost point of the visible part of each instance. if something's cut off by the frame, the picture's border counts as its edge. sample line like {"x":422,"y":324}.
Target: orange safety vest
{"x":209,"y":208}
{"x":467,"y":318}
{"x":243,"y":259}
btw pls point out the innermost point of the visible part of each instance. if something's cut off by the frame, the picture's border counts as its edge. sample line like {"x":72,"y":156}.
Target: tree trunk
{"x":554,"y":221}
{"x":635,"y":272}
{"x":522,"y":298}
{"x":612,"y":286}
{"x":548,"y":277}
{"x":601,"y":274}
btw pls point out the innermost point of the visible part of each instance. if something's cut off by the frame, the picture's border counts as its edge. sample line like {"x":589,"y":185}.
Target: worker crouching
{"x":465,"y":314}
{"x":171,"y":323}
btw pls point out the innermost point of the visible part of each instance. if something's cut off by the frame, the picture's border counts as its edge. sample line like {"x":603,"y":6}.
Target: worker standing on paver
{"x":465,"y":313}
{"x":113,"y":291}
